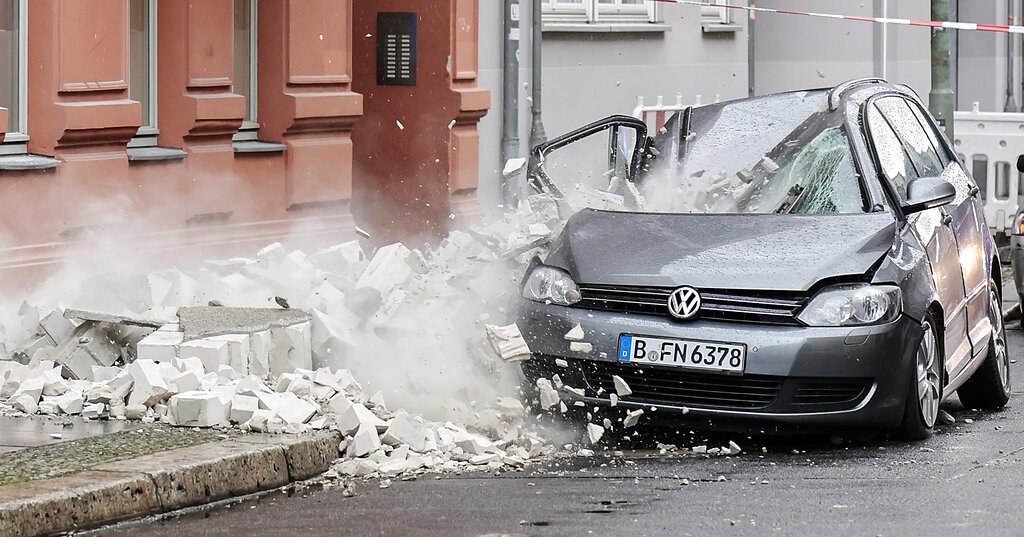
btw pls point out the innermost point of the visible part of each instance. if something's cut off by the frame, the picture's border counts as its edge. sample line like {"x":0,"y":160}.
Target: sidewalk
{"x":141,"y":470}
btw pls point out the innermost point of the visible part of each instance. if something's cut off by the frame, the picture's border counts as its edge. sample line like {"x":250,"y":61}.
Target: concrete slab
{"x":205,"y":321}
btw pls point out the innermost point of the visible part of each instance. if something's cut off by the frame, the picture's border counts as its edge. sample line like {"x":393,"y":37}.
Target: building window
{"x":245,"y":65}
{"x":712,"y":14}
{"x":600,"y":11}
{"x":142,"y":68}
{"x":13,"y":64}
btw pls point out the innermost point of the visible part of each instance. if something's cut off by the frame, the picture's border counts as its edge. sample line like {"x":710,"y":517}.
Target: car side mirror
{"x":928,"y":193}
{"x":1020,"y":163}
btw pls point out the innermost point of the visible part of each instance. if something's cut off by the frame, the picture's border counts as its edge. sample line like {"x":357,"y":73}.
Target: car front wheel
{"x":989,"y":386}
{"x":925,"y":390}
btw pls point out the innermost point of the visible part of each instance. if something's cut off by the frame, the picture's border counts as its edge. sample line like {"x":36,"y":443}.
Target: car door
{"x":931,"y":159}
{"x":971,"y":229}
{"x":933,"y":227}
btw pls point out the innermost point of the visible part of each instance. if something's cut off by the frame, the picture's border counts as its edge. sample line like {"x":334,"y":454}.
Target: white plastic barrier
{"x":657,"y":114}
{"x":989,"y":144}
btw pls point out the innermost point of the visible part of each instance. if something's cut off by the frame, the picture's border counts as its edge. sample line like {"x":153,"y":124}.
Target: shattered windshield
{"x":778,"y":154}
{"x":784,"y":153}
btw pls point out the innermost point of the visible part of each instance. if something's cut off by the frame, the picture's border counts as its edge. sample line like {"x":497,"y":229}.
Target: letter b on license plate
{"x":684,"y":353}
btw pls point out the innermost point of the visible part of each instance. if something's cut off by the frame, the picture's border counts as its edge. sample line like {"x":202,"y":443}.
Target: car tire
{"x":989,"y":386}
{"x":924,"y":391}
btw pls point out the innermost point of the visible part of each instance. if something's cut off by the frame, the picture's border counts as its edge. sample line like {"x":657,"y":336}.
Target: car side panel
{"x":970,"y":230}
{"x":948,"y":282}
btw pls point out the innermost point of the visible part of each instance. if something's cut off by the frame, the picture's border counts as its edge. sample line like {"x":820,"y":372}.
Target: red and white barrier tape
{"x":971,"y":26}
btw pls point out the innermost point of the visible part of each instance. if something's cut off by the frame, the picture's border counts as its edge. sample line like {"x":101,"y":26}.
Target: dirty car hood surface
{"x":719,"y":251}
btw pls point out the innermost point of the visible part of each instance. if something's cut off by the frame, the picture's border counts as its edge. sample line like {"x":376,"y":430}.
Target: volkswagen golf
{"x":807,"y":260}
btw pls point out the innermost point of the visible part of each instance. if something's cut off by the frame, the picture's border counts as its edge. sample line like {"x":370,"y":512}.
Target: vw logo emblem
{"x":684,"y":303}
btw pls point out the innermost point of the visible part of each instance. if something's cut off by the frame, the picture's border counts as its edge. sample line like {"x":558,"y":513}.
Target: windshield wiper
{"x":792,"y":197}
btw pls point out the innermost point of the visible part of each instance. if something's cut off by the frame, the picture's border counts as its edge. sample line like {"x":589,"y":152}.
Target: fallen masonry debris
{"x":621,"y":388}
{"x":350,"y":354}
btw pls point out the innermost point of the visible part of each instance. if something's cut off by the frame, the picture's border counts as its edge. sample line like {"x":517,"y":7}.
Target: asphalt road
{"x":967,"y":480}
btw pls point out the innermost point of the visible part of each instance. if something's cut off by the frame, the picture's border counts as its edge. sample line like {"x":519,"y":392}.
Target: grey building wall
{"x":588,"y":76}
{"x":793,"y":52}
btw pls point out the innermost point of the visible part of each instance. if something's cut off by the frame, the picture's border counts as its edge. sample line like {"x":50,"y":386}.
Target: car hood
{"x":711,"y":251}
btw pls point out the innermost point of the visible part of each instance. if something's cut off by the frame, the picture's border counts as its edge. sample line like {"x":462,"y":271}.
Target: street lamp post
{"x":940,"y":98}
{"x":537,"y":135}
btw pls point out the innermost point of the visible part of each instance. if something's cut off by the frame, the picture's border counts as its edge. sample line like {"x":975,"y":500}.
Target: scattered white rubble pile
{"x":411,"y":322}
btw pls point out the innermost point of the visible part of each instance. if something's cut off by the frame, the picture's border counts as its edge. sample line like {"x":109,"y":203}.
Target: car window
{"x":913,"y":135}
{"x":895,"y":164}
{"x":933,"y":136}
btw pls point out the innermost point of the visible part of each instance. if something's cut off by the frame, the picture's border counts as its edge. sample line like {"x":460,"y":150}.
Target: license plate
{"x":684,"y":353}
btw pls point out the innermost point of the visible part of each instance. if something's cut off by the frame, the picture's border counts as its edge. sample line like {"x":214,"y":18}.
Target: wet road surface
{"x":967,"y":480}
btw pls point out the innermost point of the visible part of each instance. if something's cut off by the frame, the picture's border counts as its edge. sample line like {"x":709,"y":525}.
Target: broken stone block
{"x":243,"y":407}
{"x":71,"y":402}
{"x":93,"y":411}
{"x":203,"y":322}
{"x":160,"y":346}
{"x":340,"y":258}
{"x":473,"y":444}
{"x":595,"y":432}
{"x":134,"y":412}
{"x":54,"y":383}
{"x":212,"y":353}
{"x":149,"y":387}
{"x":330,"y":338}
{"x":89,"y":345}
{"x":357,"y":415}
{"x":56,"y":326}
{"x":260,"y":345}
{"x":294,"y":410}
{"x":388,"y":269}
{"x":621,"y":388}
{"x":549,"y":396}
{"x":48,"y":406}
{"x":632,"y":417}
{"x":260,"y":420}
{"x":364,"y":442}
{"x":186,"y":382}
{"x":614,"y":399}
{"x":25,"y":403}
{"x":405,"y":429}
{"x":580,"y":346}
{"x":338,"y":404}
{"x":576,"y":334}
{"x":239,"y":349}
{"x":507,"y":342}
{"x":290,"y":349}
{"x":198,"y":409}
{"x":103,"y":374}
{"x":388,"y":308}
{"x":31,"y":387}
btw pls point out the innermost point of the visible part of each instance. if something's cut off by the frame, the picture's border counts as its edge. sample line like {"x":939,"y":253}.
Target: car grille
{"x":653,"y":385}
{"x":659,"y":385}
{"x":737,"y":306}
{"x":815,"y":393}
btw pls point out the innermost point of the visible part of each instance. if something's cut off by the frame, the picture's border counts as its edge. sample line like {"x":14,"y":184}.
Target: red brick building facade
{"x":221,"y":124}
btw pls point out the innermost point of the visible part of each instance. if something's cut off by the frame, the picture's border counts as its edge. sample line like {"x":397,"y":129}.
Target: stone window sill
{"x":256,"y":146}
{"x":605,"y":27}
{"x":27,"y":161}
{"x":719,"y":28}
{"x":151,"y":153}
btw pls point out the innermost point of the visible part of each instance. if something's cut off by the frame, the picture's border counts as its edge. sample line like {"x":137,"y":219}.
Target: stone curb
{"x":164,"y":482}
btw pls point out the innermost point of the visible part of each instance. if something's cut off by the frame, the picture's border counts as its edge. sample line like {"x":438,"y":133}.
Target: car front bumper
{"x":795,"y":376}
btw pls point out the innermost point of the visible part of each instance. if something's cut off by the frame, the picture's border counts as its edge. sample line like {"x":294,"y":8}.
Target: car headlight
{"x":853,"y":305}
{"x":547,"y":284}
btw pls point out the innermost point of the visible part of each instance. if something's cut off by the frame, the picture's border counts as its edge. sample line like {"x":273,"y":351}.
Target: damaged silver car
{"x":810,"y":260}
